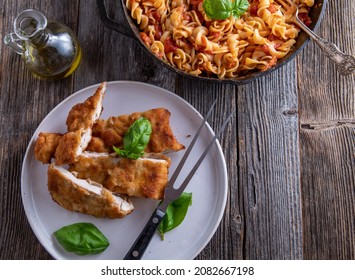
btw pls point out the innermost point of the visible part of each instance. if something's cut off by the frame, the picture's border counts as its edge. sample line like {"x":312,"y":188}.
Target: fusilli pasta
{"x":179,"y":32}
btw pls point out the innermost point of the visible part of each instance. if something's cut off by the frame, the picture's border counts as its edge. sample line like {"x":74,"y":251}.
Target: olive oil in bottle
{"x":49,"y":49}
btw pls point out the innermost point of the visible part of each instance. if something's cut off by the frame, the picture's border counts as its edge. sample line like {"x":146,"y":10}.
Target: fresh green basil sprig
{"x":82,"y":239}
{"x":175,"y":213}
{"x":223,"y":9}
{"x":136,"y":139}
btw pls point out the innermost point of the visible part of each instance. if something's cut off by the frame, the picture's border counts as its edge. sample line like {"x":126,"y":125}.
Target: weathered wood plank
{"x":328,"y":192}
{"x":226,"y":243}
{"x":263,"y":146}
{"x":111,"y":56}
{"x":327,"y":117}
{"x":268,"y":163}
{"x":24,"y":102}
{"x":325,"y":95}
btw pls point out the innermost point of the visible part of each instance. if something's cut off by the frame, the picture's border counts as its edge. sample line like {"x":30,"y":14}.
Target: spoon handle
{"x":345,"y":63}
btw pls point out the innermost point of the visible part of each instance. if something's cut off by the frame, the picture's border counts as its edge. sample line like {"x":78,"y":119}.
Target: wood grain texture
{"x":25,"y":101}
{"x":289,"y":149}
{"x":269,"y":167}
{"x":328,"y":195}
{"x":324,"y":94}
{"x":226,"y":243}
{"x":327,"y":122}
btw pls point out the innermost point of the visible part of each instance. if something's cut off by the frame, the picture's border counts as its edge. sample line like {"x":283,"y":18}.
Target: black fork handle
{"x":140,"y":245}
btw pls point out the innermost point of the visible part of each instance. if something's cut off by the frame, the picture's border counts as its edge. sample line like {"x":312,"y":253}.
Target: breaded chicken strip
{"x":145,"y":177}
{"x":47,"y":143}
{"x":71,"y":145}
{"x":98,"y":145}
{"x":80,"y":120}
{"x":84,"y":115}
{"x":106,"y":133}
{"x":162,"y":138}
{"x":84,"y":196}
{"x":46,"y":146}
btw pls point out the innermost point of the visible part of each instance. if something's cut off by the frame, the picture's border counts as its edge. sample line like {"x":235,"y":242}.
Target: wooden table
{"x":289,"y":150}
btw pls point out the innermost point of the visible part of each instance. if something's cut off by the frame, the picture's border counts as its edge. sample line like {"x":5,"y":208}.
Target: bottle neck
{"x":39,"y":39}
{"x":30,"y":27}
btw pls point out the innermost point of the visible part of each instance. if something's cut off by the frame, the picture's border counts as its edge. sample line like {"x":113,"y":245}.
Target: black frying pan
{"x":127,"y":26}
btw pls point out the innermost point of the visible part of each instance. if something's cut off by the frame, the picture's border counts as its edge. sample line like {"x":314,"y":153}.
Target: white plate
{"x":209,"y":185}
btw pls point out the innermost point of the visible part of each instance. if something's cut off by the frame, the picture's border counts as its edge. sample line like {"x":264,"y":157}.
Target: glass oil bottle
{"x":49,"y":49}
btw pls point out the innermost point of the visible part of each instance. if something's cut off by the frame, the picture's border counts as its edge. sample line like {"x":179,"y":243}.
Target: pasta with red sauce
{"x":179,"y":32}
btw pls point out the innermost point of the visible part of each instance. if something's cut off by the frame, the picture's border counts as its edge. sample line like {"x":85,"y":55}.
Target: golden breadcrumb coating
{"x":162,"y":138}
{"x":80,"y":120}
{"x":69,"y":147}
{"x":83,"y":115}
{"x":98,"y":145}
{"x":145,"y":177}
{"x":46,"y":145}
{"x":88,"y":198}
{"x":107,"y":133}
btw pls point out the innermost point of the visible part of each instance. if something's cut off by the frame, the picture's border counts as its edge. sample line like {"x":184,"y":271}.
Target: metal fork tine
{"x":283,"y":3}
{"x":175,"y":193}
{"x":183,"y":160}
{"x":198,"y":163}
{"x":142,"y":242}
{"x":288,"y":8}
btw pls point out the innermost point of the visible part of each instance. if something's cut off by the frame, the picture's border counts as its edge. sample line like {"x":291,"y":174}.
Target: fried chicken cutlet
{"x":106,"y":133}
{"x":162,"y":138}
{"x":84,"y":196}
{"x":84,"y":115}
{"x":80,"y":121}
{"x":145,"y":177}
{"x":46,"y":146}
{"x":71,"y":145}
{"x":47,"y":143}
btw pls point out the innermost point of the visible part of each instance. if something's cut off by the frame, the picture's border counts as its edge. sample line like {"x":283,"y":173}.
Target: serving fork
{"x":345,"y":63}
{"x":171,"y":193}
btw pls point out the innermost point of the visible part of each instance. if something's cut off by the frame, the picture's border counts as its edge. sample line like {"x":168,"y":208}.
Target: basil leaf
{"x":82,"y":239}
{"x":121,"y":153}
{"x":175,"y":213}
{"x":223,"y":9}
{"x":240,"y":7}
{"x":136,"y":139}
{"x":217,"y":9}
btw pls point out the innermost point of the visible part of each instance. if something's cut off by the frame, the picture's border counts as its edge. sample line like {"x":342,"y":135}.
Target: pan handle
{"x":121,"y":26}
